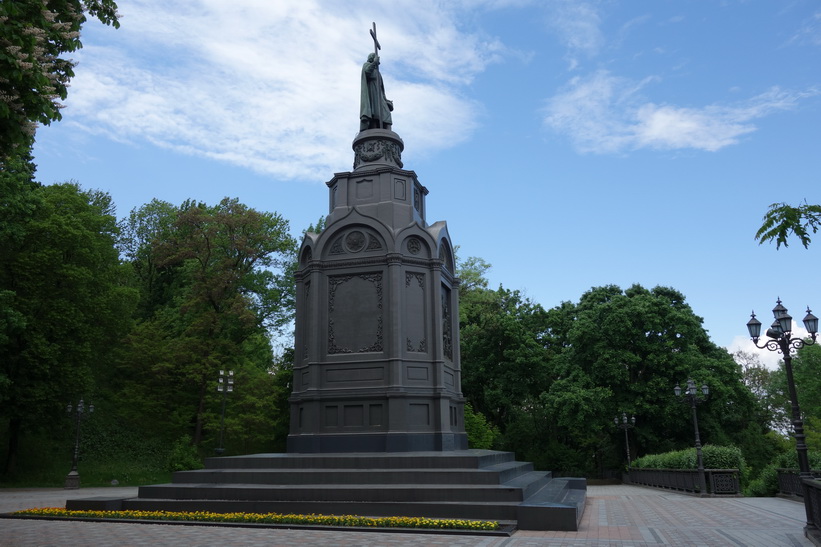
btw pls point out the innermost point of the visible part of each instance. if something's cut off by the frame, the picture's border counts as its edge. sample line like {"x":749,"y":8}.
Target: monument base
{"x":462,"y":484}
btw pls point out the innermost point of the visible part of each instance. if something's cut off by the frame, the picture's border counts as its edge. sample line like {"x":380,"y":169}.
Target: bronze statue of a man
{"x":374,"y":109}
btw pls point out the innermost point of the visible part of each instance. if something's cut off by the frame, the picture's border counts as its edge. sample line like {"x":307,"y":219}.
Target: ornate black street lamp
{"x":225,"y":385}
{"x":73,"y":477}
{"x":692,"y":397}
{"x":782,"y":341}
{"x":626,"y":424}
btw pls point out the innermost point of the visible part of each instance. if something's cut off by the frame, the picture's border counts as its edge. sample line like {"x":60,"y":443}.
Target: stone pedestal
{"x":377,"y":347}
{"x":72,"y":480}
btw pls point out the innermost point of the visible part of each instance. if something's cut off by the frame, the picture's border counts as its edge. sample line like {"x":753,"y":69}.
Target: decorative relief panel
{"x":415,"y":317}
{"x":414,"y":245}
{"x":373,"y":243}
{"x":377,"y":150}
{"x":354,"y":241}
{"x":421,"y":348}
{"x":305,"y":318}
{"x":307,"y":256}
{"x":446,"y":257}
{"x":447,"y":328}
{"x":355,"y":319}
{"x":336,"y":247}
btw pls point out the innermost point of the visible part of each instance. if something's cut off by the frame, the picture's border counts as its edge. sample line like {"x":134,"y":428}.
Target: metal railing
{"x":813,"y":506}
{"x":789,"y":482}
{"x":720,"y":482}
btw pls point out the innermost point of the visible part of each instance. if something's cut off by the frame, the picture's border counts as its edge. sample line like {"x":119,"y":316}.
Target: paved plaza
{"x":614,"y":516}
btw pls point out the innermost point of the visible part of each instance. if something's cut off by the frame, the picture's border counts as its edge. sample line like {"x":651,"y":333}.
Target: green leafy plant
{"x":184,"y":455}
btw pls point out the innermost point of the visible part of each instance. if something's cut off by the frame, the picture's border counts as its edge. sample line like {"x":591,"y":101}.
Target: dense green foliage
{"x":481,"y":434}
{"x":552,"y":380}
{"x":714,"y":457}
{"x":65,"y":303}
{"x":138,"y":318}
{"x":766,"y":482}
{"x":214,"y":283}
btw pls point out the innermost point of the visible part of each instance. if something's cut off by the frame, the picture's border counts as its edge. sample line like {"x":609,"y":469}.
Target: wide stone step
{"x":463,"y":459}
{"x":496,"y":474}
{"x":332,"y":492}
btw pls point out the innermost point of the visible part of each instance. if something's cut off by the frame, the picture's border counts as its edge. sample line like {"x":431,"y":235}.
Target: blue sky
{"x":570,"y":144}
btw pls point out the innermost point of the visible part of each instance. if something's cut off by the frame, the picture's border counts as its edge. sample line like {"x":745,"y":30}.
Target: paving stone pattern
{"x":620,"y":516}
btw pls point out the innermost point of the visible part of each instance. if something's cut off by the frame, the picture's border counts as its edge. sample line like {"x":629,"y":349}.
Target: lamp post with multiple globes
{"x":625,"y":424}
{"x":692,"y":397}
{"x":80,"y":410}
{"x":782,"y":340}
{"x":225,"y":385}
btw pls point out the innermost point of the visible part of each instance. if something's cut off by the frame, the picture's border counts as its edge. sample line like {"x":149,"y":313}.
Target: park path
{"x":621,"y":516}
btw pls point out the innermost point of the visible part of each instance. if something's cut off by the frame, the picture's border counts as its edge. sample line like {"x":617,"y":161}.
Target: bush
{"x":715,"y":457}
{"x":481,"y":434}
{"x":765,"y":485}
{"x":184,"y":455}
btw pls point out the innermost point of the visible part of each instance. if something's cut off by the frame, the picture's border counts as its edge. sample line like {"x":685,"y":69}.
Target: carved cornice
{"x":390,"y":259}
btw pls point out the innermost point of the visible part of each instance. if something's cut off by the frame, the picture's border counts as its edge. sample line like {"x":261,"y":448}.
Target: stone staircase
{"x":465,"y":484}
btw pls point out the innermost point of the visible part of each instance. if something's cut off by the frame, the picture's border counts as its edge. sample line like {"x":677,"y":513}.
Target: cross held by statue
{"x":376,"y":46}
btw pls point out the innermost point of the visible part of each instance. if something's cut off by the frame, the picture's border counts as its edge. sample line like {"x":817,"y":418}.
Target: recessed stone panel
{"x":419,"y":414}
{"x":354,"y":416}
{"x":331,"y":416}
{"x":417,"y":373}
{"x":363,"y":374}
{"x":400,"y":191}
{"x":375,"y":415}
{"x":364,"y":189}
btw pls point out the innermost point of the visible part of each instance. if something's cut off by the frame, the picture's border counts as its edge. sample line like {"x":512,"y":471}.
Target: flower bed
{"x":270,"y":518}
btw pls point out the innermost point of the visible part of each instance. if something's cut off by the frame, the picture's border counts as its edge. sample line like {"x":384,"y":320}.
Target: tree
{"x":64,"y":303}
{"x":552,"y":380}
{"x":807,"y":376}
{"x":781,"y":220}
{"x":639,"y":344}
{"x":216,"y":283}
{"x":766,"y":386}
{"x":33,"y":75}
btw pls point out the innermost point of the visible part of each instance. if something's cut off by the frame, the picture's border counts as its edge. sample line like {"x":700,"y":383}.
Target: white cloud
{"x":577,"y":24}
{"x":768,"y":358}
{"x":274,"y":86}
{"x":603,"y":113}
